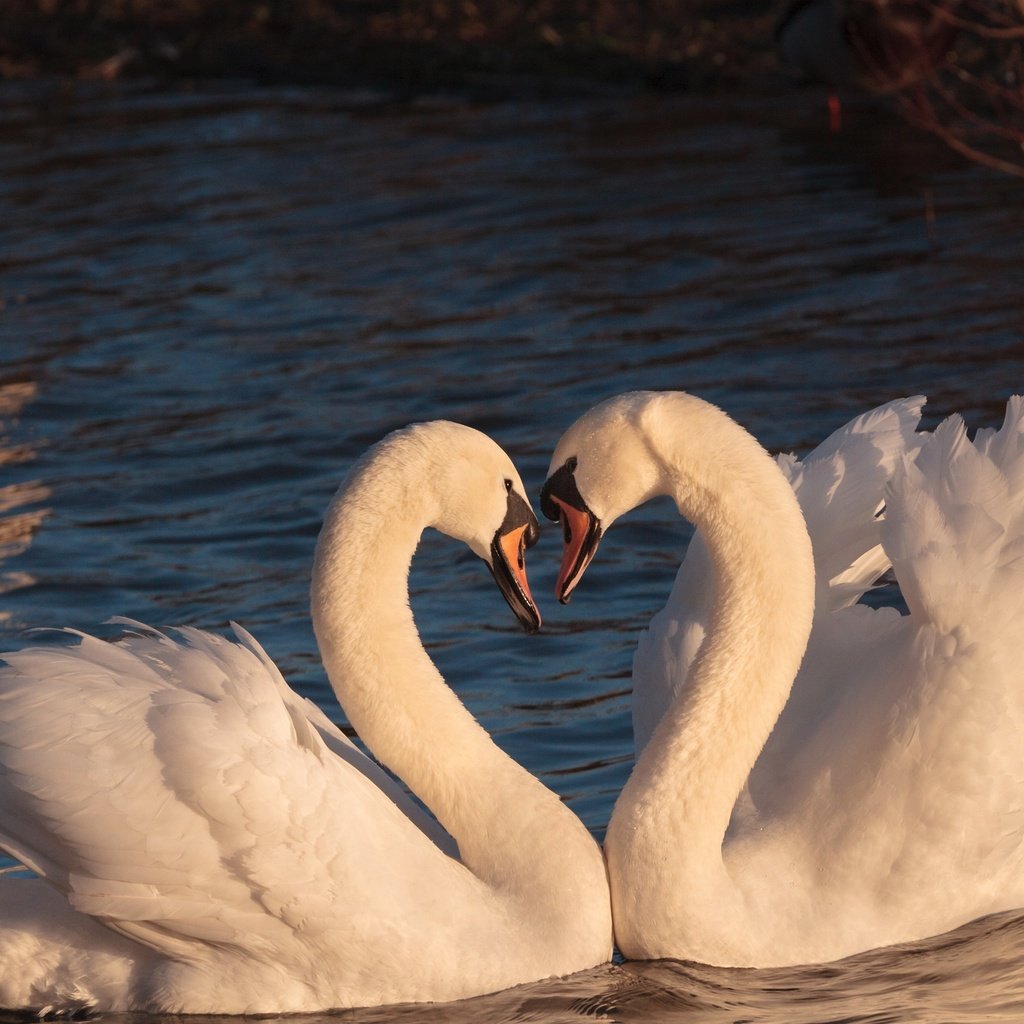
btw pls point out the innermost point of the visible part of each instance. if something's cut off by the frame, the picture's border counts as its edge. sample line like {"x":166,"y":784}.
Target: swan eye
{"x":508,"y":486}
{"x":571,"y":463}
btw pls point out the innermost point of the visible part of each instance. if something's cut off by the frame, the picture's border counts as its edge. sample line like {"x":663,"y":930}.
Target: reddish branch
{"x":973,"y":99}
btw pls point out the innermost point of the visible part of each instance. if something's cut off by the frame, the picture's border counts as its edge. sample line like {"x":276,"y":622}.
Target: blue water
{"x":211,"y":301}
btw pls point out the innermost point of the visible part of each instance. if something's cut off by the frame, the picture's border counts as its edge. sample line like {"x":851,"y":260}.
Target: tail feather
{"x":955,"y":525}
{"x":841,"y":489}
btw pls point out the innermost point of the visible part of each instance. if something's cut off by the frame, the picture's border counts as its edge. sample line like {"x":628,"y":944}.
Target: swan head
{"x":603,"y":466}
{"x":480,"y":500}
{"x":438,"y":474}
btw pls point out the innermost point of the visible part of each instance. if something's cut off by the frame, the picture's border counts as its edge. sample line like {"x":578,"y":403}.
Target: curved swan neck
{"x":394,"y":695}
{"x":698,"y":760}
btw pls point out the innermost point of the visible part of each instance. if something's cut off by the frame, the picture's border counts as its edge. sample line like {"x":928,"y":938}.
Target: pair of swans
{"x":211,"y":843}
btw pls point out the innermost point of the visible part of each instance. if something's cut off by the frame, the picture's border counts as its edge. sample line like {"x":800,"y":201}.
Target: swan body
{"x":206,"y":841}
{"x":794,"y":808}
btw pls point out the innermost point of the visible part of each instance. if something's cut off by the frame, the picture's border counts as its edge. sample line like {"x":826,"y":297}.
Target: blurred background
{"x":951,"y":66}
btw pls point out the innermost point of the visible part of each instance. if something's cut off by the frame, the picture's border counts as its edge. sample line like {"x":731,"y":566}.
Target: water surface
{"x":214,"y":300}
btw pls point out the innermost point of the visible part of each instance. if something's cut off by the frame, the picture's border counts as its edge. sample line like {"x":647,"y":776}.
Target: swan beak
{"x":508,"y":567}
{"x":582,"y":535}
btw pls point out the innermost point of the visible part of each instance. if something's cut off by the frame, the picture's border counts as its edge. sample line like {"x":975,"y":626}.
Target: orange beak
{"x":508,"y":567}
{"x":582,"y":533}
{"x":513,"y":546}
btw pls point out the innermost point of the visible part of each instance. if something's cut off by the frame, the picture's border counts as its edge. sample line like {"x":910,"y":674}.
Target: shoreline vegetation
{"x":485,"y":46}
{"x":969,"y":90}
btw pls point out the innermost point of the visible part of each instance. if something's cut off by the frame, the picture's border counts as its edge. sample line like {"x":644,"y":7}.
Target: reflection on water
{"x":17,"y":528}
{"x":212,"y":301}
{"x":971,"y":975}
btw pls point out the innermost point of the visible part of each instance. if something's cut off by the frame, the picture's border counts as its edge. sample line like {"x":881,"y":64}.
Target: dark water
{"x":212,"y":301}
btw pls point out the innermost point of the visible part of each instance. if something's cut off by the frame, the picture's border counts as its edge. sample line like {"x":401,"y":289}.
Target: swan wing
{"x":908,"y":769}
{"x":668,"y":646}
{"x":955,"y":528}
{"x":341,"y":746}
{"x":841,"y":489}
{"x":954,"y":531}
{"x":178,"y":792}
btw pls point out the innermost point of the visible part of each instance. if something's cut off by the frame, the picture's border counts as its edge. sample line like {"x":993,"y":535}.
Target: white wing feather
{"x":920,"y":743}
{"x":183,"y":795}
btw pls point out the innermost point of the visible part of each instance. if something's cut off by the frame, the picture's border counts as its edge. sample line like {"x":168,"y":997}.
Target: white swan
{"x":841,"y":490}
{"x":888,"y":803}
{"x":211,"y":843}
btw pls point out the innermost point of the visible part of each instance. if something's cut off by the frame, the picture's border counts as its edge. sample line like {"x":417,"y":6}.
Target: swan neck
{"x":700,"y":756}
{"x":390,"y":690}
{"x":399,"y":704}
